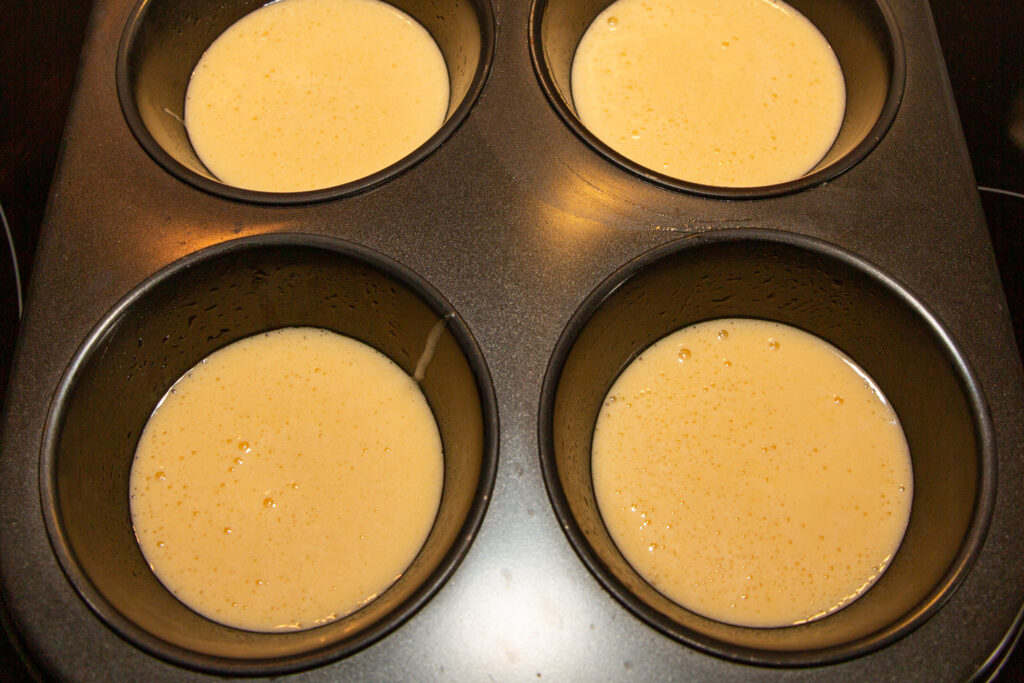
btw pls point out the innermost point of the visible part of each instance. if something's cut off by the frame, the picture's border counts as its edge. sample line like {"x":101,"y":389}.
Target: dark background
{"x":40,"y":41}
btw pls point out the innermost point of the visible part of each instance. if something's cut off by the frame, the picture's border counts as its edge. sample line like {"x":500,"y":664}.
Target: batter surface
{"x":752,"y":473}
{"x":306,"y":94}
{"x":731,"y":93}
{"x":286,"y":480}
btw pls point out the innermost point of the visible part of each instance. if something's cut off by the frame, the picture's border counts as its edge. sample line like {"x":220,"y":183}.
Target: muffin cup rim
{"x":139,"y":130}
{"x":985,"y":491}
{"x":886,"y":117}
{"x":175,"y":654}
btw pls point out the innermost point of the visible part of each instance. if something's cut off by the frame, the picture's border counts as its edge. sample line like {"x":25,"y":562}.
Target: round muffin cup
{"x":829,"y":292}
{"x":863,"y":34}
{"x":176,"y":318}
{"x":164,"y":40}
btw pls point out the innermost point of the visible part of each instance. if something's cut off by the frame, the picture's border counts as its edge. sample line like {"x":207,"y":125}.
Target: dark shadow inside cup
{"x":164,"y":40}
{"x":863,"y":34}
{"x":840,"y":298}
{"x":178,"y":317}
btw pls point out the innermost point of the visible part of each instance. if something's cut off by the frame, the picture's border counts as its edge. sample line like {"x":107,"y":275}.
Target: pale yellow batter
{"x":731,"y":93}
{"x":307,"y":94}
{"x":286,"y":480}
{"x":752,"y":473}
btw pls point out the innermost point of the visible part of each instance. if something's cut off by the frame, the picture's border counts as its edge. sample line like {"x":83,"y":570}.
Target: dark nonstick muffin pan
{"x":514,"y":220}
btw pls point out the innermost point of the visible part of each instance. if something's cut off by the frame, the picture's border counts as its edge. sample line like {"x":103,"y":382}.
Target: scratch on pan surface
{"x":696,"y":228}
{"x":681,"y":225}
{"x":174,"y":116}
{"x":604,"y":191}
{"x":428,"y":349}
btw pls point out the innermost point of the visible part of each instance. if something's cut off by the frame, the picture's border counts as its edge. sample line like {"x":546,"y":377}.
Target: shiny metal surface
{"x":515,"y":221}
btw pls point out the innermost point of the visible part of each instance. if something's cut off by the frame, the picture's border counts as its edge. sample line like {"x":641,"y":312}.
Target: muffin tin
{"x":514,"y":220}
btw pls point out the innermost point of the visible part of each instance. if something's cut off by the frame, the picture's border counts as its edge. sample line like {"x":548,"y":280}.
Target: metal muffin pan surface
{"x":514,"y":220}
